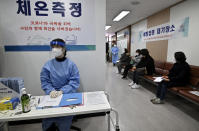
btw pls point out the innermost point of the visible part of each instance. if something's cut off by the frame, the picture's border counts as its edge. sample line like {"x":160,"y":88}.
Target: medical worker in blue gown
{"x":59,"y":76}
{"x":114,"y":51}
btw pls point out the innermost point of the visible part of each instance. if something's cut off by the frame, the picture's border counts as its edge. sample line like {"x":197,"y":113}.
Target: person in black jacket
{"x":146,"y":64}
{"x":124,"y":60}
{"x":178,"y":76}
{"x":134,"y":61}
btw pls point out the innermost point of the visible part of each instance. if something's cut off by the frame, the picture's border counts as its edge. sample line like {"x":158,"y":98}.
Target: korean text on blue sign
{"x":159,"y":30}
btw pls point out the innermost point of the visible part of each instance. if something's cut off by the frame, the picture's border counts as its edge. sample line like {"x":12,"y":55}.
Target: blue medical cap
{"x":57,"y":43}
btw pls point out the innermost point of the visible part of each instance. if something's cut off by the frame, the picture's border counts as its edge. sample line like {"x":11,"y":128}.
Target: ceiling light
{"x":121,"y":15}
{"x":107,"y":27}
{"x":120,"y":35}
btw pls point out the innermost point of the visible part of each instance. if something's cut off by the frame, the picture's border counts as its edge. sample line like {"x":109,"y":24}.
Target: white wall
{"x":121,"y":44}
{"x":91,"y":64}
{"x":189,"y":45}
{"x":135,"y":43}
{"x":122,"y":41}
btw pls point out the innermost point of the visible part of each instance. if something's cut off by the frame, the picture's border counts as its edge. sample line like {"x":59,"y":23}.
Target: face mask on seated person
{"x":56,"y":52}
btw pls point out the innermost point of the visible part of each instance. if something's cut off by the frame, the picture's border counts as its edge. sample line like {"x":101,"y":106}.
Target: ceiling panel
{"x":138,"y":12}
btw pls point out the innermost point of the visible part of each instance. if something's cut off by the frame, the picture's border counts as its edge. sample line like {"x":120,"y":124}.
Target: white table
{"x":91,"y":105}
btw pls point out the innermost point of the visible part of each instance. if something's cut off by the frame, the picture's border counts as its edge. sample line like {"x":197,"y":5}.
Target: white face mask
{"x":56,"y":52}
{"x":114,"y":45}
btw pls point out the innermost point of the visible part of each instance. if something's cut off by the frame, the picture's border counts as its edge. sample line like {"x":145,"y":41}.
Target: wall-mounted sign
{"x":165,"y":31}
{"x":37,"y":22}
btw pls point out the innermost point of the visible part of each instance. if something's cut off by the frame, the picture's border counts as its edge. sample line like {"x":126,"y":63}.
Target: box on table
{"x":8,"y":103}
{"x":11,"y":87}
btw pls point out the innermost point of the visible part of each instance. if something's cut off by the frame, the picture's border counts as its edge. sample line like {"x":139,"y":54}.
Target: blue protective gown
{"x":60,"y":76}
{"x":114,"y":51}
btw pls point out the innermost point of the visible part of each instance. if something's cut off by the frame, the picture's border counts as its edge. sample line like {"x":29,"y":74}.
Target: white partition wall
{"x":136,"y":43}
{"x":189,"y":45}
{"x":122,"y":41}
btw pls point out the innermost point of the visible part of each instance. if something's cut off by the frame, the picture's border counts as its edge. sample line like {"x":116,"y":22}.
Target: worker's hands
{"x":59,"y":93}
{"x":54,"y":94}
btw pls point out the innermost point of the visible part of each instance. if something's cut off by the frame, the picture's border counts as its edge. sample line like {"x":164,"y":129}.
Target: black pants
{"x":137,"y":73}
{"x":162,"y":88}
{"x":126,"y":69}
{"x":120,"y":65}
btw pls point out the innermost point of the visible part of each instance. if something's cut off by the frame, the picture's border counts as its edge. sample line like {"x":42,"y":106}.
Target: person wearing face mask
{"x":114,"y":51}
{"x":124,"y":60}
{"x":178,"y":76}
{"x":134,"y":61}
{"x":59,"y":76}
{"x":146,"y":64}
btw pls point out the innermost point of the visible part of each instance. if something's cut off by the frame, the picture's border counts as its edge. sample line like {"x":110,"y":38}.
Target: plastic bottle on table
{"x":25,"y":101}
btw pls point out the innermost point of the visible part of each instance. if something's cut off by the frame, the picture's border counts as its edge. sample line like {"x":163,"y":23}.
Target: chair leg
{"x":75,"y":128}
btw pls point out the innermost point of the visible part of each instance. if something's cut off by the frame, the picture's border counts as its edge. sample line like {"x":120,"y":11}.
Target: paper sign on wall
{"x":165,"y":31}
{"x":37,"y":22}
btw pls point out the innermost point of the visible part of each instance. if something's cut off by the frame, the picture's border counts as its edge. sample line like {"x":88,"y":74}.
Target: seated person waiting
{"x":146,"y":64}
{"x":134,"y":61}
{"x":178,"y":76}
{"x":124,"y":60}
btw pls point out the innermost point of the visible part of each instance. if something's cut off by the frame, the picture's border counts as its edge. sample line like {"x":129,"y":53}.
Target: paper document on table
{"x":194,"y":92}
{"x":47,"y":101}
{"x":158,"y":79}
{"x":95,"y":99}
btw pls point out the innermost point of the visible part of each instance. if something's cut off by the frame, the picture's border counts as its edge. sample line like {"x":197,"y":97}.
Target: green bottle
{"x":25,"y":101}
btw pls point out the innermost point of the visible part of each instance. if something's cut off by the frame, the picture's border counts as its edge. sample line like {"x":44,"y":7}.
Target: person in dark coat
{"x":178,"y":76}
{"x":145,"y":65}
{"x":124,"y":60}
{"x":134,"y":61}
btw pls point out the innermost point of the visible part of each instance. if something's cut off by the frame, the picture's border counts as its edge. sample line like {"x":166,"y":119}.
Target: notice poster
{"x":37,"y":22}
